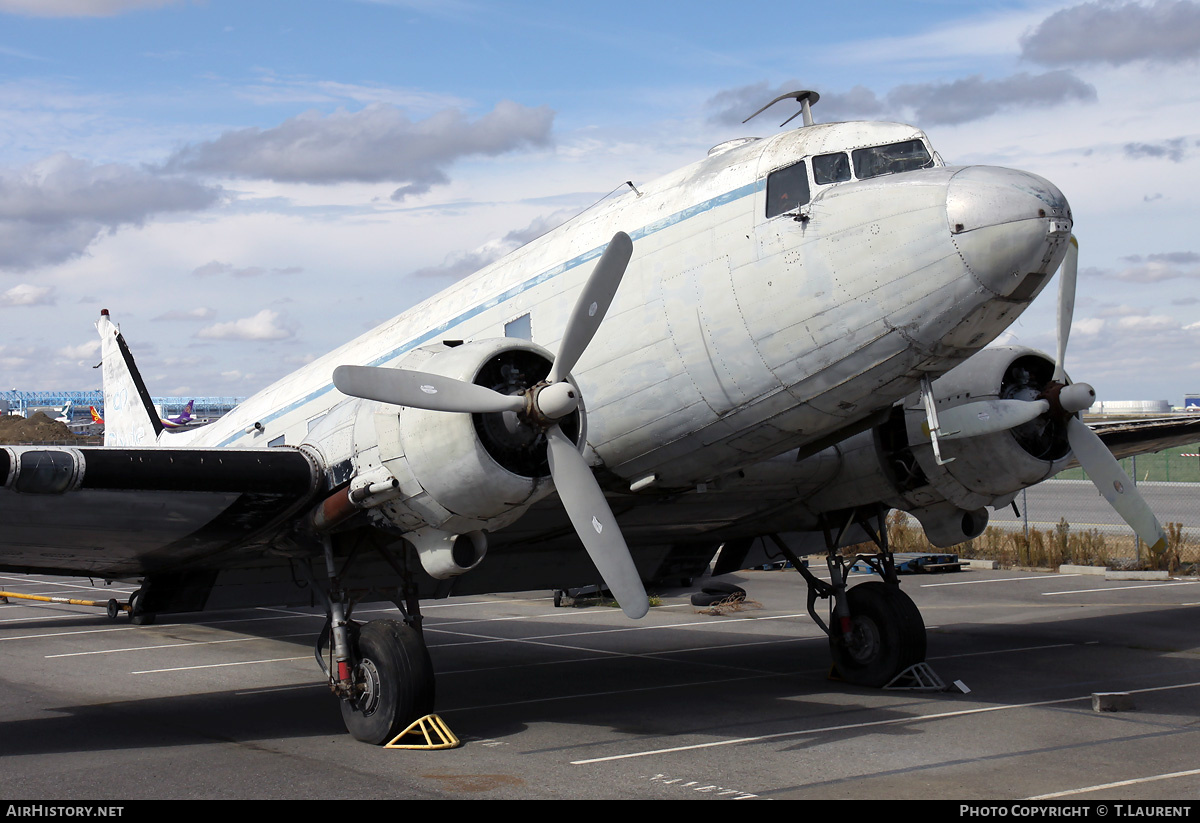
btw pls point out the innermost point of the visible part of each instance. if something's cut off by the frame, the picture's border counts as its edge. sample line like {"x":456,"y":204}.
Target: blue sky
{"x":247,"y":185}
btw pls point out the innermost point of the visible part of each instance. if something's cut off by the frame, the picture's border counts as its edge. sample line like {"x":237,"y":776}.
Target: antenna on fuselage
{"x":806,"y":99}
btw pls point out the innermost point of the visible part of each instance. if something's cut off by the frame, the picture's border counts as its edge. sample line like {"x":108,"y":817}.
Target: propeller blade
{"x":593,"y":302}
{"x":1114,"y":485}
{"x":595,"y":524}
{"x":1066,"y":306}
{"x":987,"y":417}
{"x":420,"y":390}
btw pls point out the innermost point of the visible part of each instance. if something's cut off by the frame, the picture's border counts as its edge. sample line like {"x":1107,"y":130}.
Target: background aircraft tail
{"x":129,"y":417}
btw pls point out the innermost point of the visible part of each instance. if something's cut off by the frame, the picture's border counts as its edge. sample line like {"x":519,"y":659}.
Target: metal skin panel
{"x":854,"y":357}
{"x":731,"y":339}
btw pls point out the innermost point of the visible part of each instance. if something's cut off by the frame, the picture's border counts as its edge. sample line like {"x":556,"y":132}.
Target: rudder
{"x":129,"y":417}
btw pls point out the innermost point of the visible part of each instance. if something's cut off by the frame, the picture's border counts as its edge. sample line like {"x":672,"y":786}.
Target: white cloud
{"x":82,"y":351}
{"x":53,"y":209}
{"x":262,"y":326}
{"x":932,"y":103}
{"x":78,"y":8}
{"x":199,"y":313}
{"x":1166,"y":31}
{"x":218,"y":267}
{"x":26,"y":294}
{"x":376,"y":144}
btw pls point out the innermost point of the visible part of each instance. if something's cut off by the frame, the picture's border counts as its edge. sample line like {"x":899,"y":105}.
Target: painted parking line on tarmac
{"x":1154,"y":778}
{"x":1118,"y":588}
{"x":729,"y":621}
{"x":224,"y":665}
{"x":186,"y":644}
{"x":895,"y":721}
{"x":998,"y":580}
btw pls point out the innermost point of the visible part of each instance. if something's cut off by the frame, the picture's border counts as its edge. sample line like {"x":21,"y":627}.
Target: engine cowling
{"x":979,"y":470}
{"x":445,"y":479}
{"x":895,"y":464}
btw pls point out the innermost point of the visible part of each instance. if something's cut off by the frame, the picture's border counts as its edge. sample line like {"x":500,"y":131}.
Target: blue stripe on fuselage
{"x":645,"y":231}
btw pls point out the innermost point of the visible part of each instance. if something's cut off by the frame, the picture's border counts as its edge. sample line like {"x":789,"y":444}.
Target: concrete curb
{"x":1068,"y":568}
{"x":1114,"y":574}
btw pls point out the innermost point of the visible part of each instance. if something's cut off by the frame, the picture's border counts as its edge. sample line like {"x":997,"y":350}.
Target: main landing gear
{"x":380,"y":670}
{"x":875,"y":630}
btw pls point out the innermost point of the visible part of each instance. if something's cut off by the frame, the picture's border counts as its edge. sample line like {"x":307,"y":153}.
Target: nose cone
{"x":1010,"y":227}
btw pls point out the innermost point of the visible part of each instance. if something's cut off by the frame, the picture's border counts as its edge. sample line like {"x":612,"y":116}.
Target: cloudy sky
{"x":247,"y":185}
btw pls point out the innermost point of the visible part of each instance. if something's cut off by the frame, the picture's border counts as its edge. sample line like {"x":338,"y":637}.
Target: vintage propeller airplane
{"x":786,"y":337}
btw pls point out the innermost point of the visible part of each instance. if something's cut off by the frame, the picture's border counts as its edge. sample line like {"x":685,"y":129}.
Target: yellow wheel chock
{"x":428,"y":733}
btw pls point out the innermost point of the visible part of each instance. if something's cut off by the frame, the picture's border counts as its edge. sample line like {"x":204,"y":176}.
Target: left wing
{"x":123,"y":513}
{"x":1127,"y":438}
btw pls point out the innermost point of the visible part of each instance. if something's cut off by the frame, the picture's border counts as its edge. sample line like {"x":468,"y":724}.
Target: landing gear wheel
{"x":887,"y":635}
{"x":136,"y":616}
{"x":393,"y":679}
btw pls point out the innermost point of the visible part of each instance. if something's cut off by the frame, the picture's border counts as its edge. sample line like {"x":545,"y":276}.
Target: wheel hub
{"x":864,"y":642}
{"x":366,"y":683}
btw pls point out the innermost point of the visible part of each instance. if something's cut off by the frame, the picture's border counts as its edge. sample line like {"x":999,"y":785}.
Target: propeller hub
{"x":1066,"y":401}
{"x":555,"y":401}
{"x":1077,"y":397}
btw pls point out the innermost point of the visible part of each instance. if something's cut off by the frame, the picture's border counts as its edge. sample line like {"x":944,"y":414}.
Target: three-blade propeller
{"x":543,"y":406}
{"x":989,"y":416}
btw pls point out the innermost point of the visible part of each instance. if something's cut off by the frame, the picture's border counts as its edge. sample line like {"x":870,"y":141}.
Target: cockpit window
{"x":891,"y":159}
{"x":831,"y":168}
{"x":787,"y":189}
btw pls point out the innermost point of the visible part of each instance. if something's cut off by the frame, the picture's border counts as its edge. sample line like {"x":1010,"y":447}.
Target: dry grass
{"x":730,"y":605}
{"x":1051,"y":548}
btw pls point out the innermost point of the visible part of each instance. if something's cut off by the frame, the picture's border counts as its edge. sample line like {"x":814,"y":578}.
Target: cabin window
{"x":278,"y":441}
{"x":787,"y":189}
{"x":891,"y":159}
{"x":831,"y":168}
{"x":520,"y":328}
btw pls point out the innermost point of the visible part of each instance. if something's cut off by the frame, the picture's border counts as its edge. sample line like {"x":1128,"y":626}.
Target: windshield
{"x":891,"y":159}
{"x":831,"y":168}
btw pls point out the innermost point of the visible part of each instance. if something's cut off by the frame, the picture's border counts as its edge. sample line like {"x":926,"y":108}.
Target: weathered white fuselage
{"x":733,"y":337}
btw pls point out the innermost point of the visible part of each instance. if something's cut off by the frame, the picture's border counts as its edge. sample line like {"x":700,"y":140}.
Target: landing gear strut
{"x":380,"y":670}
{"x":875,"y":630}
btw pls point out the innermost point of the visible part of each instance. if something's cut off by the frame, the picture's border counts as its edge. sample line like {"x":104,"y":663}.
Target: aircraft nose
{"x":1010,"y":227}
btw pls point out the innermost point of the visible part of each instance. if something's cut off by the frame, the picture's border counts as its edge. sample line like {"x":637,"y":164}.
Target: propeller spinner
{"x":542,"y":406}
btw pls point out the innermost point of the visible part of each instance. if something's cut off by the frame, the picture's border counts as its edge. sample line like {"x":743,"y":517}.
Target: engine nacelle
{"x":981,"y":470}
{"x":444,"y":479}
{"x":895,"y":464}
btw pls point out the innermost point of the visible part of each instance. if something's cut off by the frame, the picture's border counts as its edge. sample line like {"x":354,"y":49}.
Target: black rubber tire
{"x":716,"y":598}
{"x":400,"y":659}
{"x":136,"y":616}
{"x":727,"y":589}
{"x":889,"y":635}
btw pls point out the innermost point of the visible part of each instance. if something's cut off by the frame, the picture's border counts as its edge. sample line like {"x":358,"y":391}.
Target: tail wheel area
{"x":393,"y":681}
{"x":887,"y":635}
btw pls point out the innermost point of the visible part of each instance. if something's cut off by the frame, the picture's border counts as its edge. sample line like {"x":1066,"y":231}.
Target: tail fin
{"x":96,"y":418}
{"x":186,"y":416}
{"x":130,"y":418}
